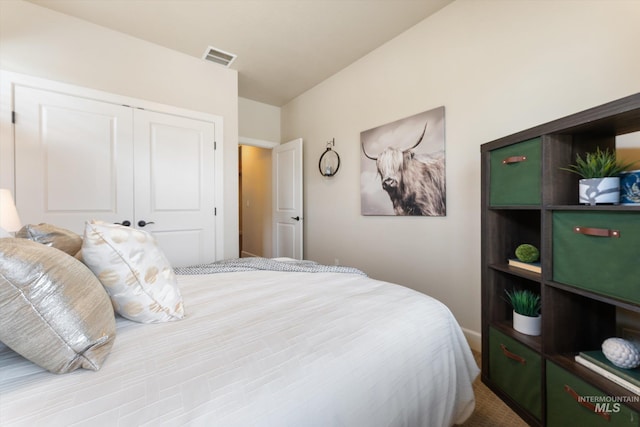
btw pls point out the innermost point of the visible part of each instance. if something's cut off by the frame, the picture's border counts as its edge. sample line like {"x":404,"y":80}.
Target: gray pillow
{"x":53,"y":310}
{"x":52,"y":235}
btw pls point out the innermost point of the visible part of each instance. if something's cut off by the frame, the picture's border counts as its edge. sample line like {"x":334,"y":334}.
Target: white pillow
{"x":134,"y":271}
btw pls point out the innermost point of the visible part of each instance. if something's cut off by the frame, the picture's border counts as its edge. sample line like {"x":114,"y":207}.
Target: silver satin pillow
{"x":52,"y":235}
{"x":53,"y":310}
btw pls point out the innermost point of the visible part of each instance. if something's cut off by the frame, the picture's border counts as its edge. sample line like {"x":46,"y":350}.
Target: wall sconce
{"x":9,"y":219}
{"x":329,"y":161}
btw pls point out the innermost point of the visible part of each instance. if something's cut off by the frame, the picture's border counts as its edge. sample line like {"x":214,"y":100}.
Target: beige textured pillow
{"x":51,"y":235}
{"x":134,"y":271}
{"x":53,"y":310}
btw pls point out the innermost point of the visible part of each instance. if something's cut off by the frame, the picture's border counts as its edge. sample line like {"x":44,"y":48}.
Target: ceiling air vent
{"x":218,"y":56}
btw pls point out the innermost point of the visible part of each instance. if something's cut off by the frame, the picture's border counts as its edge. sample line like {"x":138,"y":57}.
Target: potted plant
{"x":599,"y":171}
{"x":526,"y":311}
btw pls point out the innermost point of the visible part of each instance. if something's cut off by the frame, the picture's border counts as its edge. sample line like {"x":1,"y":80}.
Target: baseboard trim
{"x":474,"y":339}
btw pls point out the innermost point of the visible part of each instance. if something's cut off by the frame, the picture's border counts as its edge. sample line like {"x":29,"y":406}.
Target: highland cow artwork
{"x":403,"y":167}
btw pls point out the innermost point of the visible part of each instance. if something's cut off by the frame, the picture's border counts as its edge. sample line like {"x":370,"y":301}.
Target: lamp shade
{"x":9,"y":219}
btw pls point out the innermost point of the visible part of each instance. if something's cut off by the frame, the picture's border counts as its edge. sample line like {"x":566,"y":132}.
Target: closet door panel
{"x":174,"y":184}
{"x":176,"y":166}
{"x":73,"y":159}
{"x":91,"y":142}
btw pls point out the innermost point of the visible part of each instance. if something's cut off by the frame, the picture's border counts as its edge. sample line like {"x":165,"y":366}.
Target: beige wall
{"x":42,"y":43}
{"x":258,"y":121}
{"x":498,"y":67}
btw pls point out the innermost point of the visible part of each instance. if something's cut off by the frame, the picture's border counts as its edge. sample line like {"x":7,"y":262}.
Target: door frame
{"x":261,"y":143}
{"x":258,"y":143}
{"x":9,"y":80}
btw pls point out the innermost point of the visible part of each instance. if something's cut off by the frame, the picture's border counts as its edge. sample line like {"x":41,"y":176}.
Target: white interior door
{"x":174,"y":184}
{"x":288,"y":200}
{"x":73,"y":159}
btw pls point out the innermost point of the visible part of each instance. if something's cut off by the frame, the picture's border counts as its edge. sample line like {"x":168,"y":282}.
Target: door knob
{"x":126,"y":223}
{"x":142,"y":223}
{"x":297,"y":218}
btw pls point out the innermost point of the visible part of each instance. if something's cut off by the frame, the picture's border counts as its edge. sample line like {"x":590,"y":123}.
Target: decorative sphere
{"x":527,"y":253}
{"x":622,"y":353}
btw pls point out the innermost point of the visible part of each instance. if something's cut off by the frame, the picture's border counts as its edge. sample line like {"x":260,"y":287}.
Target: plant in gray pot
{"x":600,"y":182}
{"x":526,"y":311}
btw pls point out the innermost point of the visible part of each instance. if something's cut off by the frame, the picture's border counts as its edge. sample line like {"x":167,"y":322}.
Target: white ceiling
{"x":284,"y":47}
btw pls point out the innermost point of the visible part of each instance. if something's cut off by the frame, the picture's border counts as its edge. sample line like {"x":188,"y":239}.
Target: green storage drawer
{"x":516,"y":174}
{"x":517,"y":370}
{"x":598,"y":251}
{"x":573,"y":402}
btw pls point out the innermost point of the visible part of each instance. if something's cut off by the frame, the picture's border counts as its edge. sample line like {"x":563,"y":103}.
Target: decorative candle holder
{"x":329,"y":160}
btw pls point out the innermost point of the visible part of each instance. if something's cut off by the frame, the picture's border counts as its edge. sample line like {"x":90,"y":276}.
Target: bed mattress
{"x":264,"y":348}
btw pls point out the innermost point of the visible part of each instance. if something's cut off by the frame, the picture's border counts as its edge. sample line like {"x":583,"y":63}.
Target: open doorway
{"x":255,"y":194}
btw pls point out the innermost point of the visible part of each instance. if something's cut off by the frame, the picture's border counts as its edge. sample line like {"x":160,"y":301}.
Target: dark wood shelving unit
{"x":575,"y":317}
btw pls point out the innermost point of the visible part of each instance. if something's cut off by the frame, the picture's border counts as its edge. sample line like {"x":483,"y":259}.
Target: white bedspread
{"x":265,"y":348}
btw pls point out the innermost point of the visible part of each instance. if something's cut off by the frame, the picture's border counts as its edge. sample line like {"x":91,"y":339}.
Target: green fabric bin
{"x":598,"y":251}
{"x":573,"y":402}
{"x":516,"y":174}
{"x":516,"y":369}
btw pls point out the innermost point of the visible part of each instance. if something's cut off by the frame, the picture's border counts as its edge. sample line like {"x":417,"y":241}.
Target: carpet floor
{"x":490,"y":411}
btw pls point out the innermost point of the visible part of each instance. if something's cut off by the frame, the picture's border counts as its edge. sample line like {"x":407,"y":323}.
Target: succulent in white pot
{"x":600,"y":182}
{"x":526,"y":311}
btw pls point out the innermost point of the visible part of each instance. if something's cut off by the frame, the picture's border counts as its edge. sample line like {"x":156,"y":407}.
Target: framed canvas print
{"x":402,"y":167}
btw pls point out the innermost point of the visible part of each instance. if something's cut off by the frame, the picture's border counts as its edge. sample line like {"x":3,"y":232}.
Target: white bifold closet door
{"x":174,"y":184}
{"x":78,"y":159}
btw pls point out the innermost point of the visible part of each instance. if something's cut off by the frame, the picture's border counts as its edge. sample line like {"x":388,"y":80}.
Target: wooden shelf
{"x":606,"y":208}
{"x":574,"y":319}
{"x":531,"y":275}
{"x":595,"y":296}
{"x":535,"y":343}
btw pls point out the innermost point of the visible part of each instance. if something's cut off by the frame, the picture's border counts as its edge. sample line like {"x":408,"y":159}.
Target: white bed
{"x":264,"y":348}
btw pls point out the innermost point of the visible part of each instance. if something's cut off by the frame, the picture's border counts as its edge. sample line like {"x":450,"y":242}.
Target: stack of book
{"x":597,"y":362}
{"x":530,"y":266}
